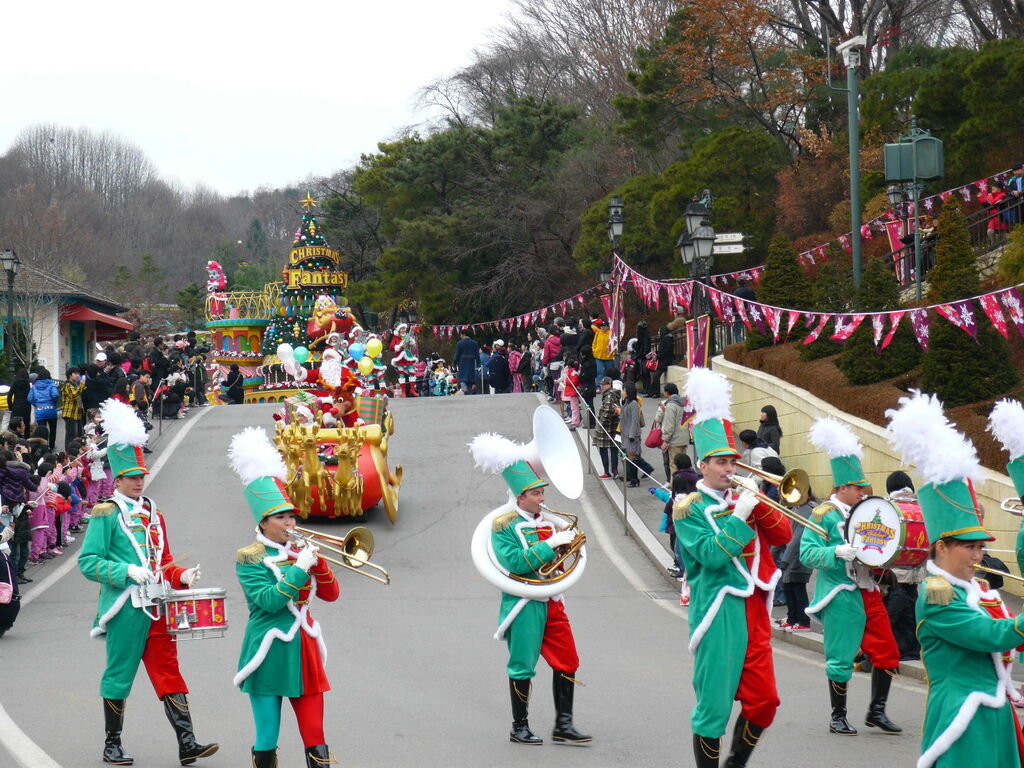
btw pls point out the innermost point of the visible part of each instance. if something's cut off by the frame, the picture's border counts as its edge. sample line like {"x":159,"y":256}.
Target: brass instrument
{"x":1013,"y":505}
{"x":1004,"y":574}
{"x":572,"y":549}
{"x":794,"y":486}
{"x":783,"y":510}
{"x":356,"y":549}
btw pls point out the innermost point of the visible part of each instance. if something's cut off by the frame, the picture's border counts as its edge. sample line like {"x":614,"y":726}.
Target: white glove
{"x":744,"y":505}
{"x":6,"y":535}
{"x":306,"y":558}
{"x":746,"y":483}
{"x":191,"y":575}
{"x":560,"y":538}
{"x":139,"y":575}
{"x":846,"y":552}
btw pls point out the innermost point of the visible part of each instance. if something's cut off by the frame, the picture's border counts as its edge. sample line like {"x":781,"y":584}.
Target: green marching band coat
{"x":116,"y":538}
{"x":283,"y":651}
{"x":967,"y":718}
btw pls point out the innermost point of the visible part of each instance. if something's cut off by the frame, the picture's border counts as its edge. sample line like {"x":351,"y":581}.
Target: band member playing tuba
{"x":845,"y":593}
{"x":283,"y":651}
{"x":725,"y":541}
{"x":523,"y":540}
{"x":967,"y":716}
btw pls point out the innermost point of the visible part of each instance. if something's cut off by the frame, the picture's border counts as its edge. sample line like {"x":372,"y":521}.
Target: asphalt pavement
{"x":417,"y":678}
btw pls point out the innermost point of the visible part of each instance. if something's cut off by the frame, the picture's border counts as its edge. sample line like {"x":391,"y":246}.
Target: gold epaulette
{"x":501,"y":522}
{"x":681,"y":505}
{"x":254,"y":553}
{"x":819,"y":512}
{"x":938,"y":591}
{"x":104,"y":509}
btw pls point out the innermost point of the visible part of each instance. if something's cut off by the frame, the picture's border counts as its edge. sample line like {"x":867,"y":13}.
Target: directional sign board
{"x":729,"y":248}
{"x":729,"y":237}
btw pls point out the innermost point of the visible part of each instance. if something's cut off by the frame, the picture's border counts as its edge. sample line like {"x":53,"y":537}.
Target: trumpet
{"x":782,"y":510}
{"x":356,"y":549}
{"x":794,"y":486}
{"x":1004,"y":574}
{"x":572,"y":549}
{"x":1013,"y":505}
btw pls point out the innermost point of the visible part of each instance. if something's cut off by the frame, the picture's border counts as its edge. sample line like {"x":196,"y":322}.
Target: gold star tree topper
{"x":308,"y":201}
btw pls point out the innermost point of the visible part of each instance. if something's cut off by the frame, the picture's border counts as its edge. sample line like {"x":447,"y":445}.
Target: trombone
{"x":1004,"y":574}
{"x":781,"y":509}
{"x":794,"y":486}
{"x":571,"y":549}
{"x":356,"y":549}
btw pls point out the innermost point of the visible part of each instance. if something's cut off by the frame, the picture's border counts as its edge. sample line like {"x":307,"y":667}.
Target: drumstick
{"x":173,"y":562}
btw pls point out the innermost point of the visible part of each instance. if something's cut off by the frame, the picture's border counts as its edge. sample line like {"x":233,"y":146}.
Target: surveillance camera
{"x":858,"y":41}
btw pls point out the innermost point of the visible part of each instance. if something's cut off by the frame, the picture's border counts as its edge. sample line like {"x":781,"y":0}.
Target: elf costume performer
{"x":523,"y":539}
{"x":1006,"y":422}
{"x":403,"y":347}
{"x":967,"y":716}
{"x":725,"y":542}
{"x":846,"y":598}
{"x":126,"y":546}
{"x":283,"y":652}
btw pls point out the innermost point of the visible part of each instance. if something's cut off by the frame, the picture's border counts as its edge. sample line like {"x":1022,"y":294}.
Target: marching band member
{"x":283,"y":652}
{"x":732,"y":576}
{"x":845,"y":595}
{"x":126,"y":546}
{"x":966,"y":713}
{"x":523,"y":540}
{"x":1006,"y":422}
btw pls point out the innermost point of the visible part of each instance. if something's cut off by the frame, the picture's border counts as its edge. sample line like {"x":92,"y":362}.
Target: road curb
{"x":658,"y":554}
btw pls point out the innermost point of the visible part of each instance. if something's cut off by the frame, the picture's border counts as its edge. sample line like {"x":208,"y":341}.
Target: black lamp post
{"x":696,"y":248}
{"x":616,"y":221}
{"x":10,"y":262}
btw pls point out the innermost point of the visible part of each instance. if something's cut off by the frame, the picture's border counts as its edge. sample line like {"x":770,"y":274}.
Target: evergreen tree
{"x":956,"y":368}
{"x":861,"y":361}
{"x":783,"y":284}
{"x":152,"y":278}
{"x":832,"y":290}
{"x":192,"y":301}
{"x":122,"y":285}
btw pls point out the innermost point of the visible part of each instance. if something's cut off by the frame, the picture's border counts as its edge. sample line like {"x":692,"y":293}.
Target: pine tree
{"x":831,"y":293}
{"x":956,"y":368}
{"x":783,"y":284}
{"x":861,"y":361}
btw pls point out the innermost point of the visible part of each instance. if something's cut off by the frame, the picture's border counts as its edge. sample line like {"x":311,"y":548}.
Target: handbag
{"x":7,"y":590}
{"x":651,"y":361}
{"x":653,"y":439}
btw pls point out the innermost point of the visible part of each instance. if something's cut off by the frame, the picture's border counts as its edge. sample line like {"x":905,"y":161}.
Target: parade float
{"x":297,"y":343}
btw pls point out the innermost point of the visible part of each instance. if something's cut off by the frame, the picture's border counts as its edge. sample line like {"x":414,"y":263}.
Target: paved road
{"x":417,"y":679}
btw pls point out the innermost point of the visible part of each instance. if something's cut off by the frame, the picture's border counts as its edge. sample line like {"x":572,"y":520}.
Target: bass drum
{"x":887,"y":534}
{"x":487,"y":564}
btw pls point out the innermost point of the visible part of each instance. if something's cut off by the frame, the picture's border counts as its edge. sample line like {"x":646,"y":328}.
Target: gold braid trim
{"x":709,"y":747}
{"x":251,"y":554}
{"x":681,"y":507}
{"x":748,"y":737}
{"x":104,"y":510}
{"x":501,"y":522}
{"x":839,"y":688}
{"x":938,"y":591}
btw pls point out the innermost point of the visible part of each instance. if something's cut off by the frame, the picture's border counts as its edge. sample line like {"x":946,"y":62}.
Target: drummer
{"x":846,"y":597}
{"x":283,"y":652}
{"x":126,"y":546}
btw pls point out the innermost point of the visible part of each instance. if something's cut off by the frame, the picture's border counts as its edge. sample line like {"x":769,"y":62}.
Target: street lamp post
{"x":696,"y":248}
{"x":10,"y":262}
{"x":898,"y":198}
{"x":616,"y":221}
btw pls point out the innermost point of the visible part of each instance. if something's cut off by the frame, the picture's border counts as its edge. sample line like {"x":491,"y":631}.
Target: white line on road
{"x":26,"y":752}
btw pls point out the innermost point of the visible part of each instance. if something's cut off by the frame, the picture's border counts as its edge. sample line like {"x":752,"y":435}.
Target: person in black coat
{"x":18,"y":399}
{"x":235,"y":393}
{"x":96,"y":388}
{"x":640,"y":349}
{"x":499,"y":377}
{"x":666,"y":355}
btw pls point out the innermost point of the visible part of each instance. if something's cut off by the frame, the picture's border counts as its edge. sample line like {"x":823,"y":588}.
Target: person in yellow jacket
{"x":601,"y":346}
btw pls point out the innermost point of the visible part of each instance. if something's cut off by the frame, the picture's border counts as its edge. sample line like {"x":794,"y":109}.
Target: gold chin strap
{"x":708,"y":748}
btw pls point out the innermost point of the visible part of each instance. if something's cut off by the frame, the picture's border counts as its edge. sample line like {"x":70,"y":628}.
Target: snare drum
{"x":887,"y":534}
{"x":195,"y":614}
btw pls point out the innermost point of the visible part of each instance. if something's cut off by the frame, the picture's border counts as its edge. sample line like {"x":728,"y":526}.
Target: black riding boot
{"x":176,"y":709}
{"x":565,"y":733}
{"x":705,"y":751}
{"x":745,"y":737}
{"x":519,"y":690}
{"x":113,"y":721}
{"x":881,"y":679}
{"x":839,"y":724}
{"x":318,"y":756}
{"x":264,"y":758}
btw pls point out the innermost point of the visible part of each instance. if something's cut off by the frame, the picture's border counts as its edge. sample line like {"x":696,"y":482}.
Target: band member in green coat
{"x":1006,"y":422}
{"x":967,"y":715}
{"x":846,"y":597}
{"x":125,"y":547}
{"x":726,"y":543}
{"x":283,"y":651}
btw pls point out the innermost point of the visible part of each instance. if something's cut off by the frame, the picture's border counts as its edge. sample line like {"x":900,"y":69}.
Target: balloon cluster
{"x":365,"y":354}
{"x":292,"y":360}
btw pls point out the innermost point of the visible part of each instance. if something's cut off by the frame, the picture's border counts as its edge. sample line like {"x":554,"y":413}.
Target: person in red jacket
{"x":571,"y":392}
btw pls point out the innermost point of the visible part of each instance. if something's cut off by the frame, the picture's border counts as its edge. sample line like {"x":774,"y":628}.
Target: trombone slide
{"x":786,"y":512}
{"x":995,"y":572}
{"x":359,"y":537}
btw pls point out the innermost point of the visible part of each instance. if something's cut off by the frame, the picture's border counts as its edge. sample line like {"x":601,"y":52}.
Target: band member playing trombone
{"x":725,"y":542}
{"x":846,"y":597}
{"x":125,"y":547}
{"x":524,"y":540}
{"x":283,"y":652}
{"x":967,"y":716}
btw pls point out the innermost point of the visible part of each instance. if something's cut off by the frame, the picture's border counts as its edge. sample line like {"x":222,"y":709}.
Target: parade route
{"x":417,"y":679}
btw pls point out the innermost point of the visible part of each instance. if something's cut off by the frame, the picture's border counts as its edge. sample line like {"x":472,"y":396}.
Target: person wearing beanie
{"x":966,"y":635}
{"x":126,"y":546}
{"x":846,"y":598}
{"x":725,"y":541}
{"x":283,"y":651}
{"x":523,"y":538}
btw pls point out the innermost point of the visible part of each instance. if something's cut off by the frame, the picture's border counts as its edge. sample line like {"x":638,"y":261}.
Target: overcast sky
{"x":228,"y":93}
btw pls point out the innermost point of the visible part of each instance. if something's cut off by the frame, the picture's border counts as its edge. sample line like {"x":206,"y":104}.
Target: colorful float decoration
{"x":299,"y":344}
